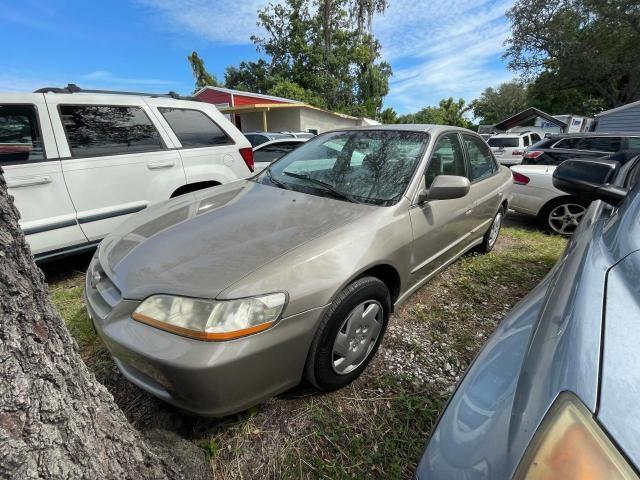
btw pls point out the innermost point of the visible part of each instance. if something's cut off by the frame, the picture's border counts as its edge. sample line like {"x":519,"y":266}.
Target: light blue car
{"x":555,"y":392}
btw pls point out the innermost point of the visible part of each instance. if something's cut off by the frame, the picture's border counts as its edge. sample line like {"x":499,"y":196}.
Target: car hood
{"x":199,"y":244}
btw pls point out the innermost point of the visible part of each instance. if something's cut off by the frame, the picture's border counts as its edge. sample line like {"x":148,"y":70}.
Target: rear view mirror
{"x":446,"y":187}
{"x":589,"y":180}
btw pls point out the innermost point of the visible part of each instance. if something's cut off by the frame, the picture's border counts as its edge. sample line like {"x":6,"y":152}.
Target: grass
{"x":376,"y":427}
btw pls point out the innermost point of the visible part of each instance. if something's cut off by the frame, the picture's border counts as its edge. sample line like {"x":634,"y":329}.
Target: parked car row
{"x":79,"y":162}
{"x":554,"y":392}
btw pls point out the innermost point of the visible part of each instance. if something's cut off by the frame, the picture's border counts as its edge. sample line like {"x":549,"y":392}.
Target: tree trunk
{"x":56,"y":420}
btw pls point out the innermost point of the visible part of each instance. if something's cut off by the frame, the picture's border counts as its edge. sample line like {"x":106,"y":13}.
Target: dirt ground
{"x":376,"y":427}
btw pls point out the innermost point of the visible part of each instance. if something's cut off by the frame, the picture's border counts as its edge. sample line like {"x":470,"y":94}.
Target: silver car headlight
{"x":211,"y":319}
{"x":570,"y":445}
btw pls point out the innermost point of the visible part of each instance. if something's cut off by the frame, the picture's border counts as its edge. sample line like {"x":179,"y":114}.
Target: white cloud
{"x":223,"y":21}
{"x":445,"y":48}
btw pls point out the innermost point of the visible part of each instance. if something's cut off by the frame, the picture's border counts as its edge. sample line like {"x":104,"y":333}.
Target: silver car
{"x":554,"y":394}
{"x":217,"y":300}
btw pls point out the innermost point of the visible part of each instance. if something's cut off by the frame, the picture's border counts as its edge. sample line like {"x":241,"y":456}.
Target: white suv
{"x":509,"y":148}
{"x":79,"y":162}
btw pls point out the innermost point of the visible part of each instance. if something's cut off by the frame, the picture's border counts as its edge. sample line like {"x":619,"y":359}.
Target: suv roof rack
{"x":73,"y":88}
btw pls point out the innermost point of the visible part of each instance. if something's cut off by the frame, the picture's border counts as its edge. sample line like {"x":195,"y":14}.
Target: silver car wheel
{"x":564,"y":219}
{"x":495,"y":229}
{"x":357,"y":337}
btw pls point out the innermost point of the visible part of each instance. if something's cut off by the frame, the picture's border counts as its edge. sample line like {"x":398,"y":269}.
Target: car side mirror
{"x":589,"y":180}
{"x":445,"y":187}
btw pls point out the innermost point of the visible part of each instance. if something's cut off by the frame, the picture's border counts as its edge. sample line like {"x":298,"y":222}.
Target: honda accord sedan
{"x":555,"y":392}
{"x":217,"y":300}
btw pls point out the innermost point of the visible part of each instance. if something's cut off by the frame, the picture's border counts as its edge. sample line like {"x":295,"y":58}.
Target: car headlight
{"x":211,"y":319}
{"x":570,"y":445}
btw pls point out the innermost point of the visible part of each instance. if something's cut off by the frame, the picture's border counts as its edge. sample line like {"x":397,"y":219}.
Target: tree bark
{"x":56,"y":420}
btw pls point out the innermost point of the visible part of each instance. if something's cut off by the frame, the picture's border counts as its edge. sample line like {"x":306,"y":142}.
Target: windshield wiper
{"x":327,"y":186}
{"x":277,"y":183}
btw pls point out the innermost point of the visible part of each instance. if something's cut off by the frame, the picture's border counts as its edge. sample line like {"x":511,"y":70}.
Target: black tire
{"x":544,"y":217}
{"x":319,"y":369}
{"x":489,"y":241}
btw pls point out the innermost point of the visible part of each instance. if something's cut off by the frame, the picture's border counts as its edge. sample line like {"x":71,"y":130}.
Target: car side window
{"x":447,"y":159}
{"x":481,"y":162}
{"x":97,"y":130}
{"x":567,"y":143}
{"x":271,"y":153}
{"x":194,"y":128}
{"x":20,"y":137}
{"x":526,"y":140}
{"x":634,"y":143}
{"x":600,"y":144}
{"x":535,"y":138}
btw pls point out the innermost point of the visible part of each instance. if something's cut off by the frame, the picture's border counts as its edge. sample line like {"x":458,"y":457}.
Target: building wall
{"x":239,"y":100}
{"x":627,"y":120}
{"x":212,"y":96}
{"x":321,"y":121}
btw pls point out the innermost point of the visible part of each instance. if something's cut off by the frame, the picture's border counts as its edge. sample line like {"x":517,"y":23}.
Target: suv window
{"x":634,"y":143}
{"x":96,"y":130}
{"x":535,"y":138}
{"x":481,"y":162}
{"x":504,"y":142}
{"x":20,"y":138}
{"x":600,"y":144}
{"x":526,"y":140}
{"x":194,"y":128}
{"x":447,"y":159}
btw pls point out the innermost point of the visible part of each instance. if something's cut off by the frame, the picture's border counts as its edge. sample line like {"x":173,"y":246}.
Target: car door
{"x":440,"y":227}
{"x":32,"y":170}
{"x":115,"y":159}
{"x":208,"y":151}
{"x":486,"y":186}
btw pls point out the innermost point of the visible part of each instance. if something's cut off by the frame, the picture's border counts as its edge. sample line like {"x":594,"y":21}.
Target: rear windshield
{"x":503,"y":142}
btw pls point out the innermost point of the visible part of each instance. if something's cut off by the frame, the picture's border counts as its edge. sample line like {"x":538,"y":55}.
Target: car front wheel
{"x":349,"y":334}
{"x":563,"y":216}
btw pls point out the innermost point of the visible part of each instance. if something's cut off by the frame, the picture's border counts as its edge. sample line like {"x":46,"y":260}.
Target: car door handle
{"x":161,"y":164}
{"x":468,"y":212}
{"x":28,"y":181}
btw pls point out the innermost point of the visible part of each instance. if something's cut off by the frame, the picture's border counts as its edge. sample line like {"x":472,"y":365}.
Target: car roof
{"x":596,"y":134}
{"x":280,"y":140}
{"x":408,"y":127}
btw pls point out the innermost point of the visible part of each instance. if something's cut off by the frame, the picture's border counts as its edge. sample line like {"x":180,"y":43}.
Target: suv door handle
{"x":160,"y":164}
{"x":28,"y":181}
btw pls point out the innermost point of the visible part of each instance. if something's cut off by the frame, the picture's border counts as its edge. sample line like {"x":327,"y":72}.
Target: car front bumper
{"x":206,"y":378}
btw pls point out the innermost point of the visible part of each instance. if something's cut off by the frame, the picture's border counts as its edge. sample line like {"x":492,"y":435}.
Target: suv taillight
{"x":247,"y":156}
{"x":519,"y":178}
{"x":533,"y":153}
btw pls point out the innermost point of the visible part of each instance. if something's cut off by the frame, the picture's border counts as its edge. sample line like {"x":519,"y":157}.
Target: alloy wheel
{"x":565,"y":218}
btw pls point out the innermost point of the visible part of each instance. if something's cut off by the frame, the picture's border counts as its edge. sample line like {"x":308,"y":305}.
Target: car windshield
{"x":363,"y":166}
{"x":503,"y":142}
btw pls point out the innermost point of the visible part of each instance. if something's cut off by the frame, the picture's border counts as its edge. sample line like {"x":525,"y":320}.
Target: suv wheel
{"x":562,"y":216}
{"x":349,"y":334}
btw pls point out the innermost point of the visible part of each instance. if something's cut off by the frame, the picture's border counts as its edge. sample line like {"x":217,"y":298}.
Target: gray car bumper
{"x":206,"y":378}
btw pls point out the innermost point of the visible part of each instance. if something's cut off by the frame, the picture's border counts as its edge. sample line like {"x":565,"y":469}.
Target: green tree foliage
{"x":589,"y":46}
{"x":388,"y":116}
{"x":448,"y":112}
{"x":200,"y":74}
{"x":321,"y":52}
{"x":496,"y":104}
{"x":545,"y":93}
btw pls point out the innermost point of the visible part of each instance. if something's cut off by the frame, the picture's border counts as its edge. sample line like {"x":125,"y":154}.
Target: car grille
{"x":101,"y":291}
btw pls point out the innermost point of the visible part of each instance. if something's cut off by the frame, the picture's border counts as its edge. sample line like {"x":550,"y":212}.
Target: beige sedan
{"x":217,"y":300}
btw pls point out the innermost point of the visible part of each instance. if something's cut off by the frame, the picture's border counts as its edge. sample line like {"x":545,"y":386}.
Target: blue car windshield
{"x":364,"y":166}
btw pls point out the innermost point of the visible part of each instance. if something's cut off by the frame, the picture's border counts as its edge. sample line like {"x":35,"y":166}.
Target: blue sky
{"x":437,"y":48}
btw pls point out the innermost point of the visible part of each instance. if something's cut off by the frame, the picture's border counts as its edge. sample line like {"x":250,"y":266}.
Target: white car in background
{"x":79,"y":162}
{"x":534,"y":194}
{"x":268,"y":152}
{"x":509,"y":148}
